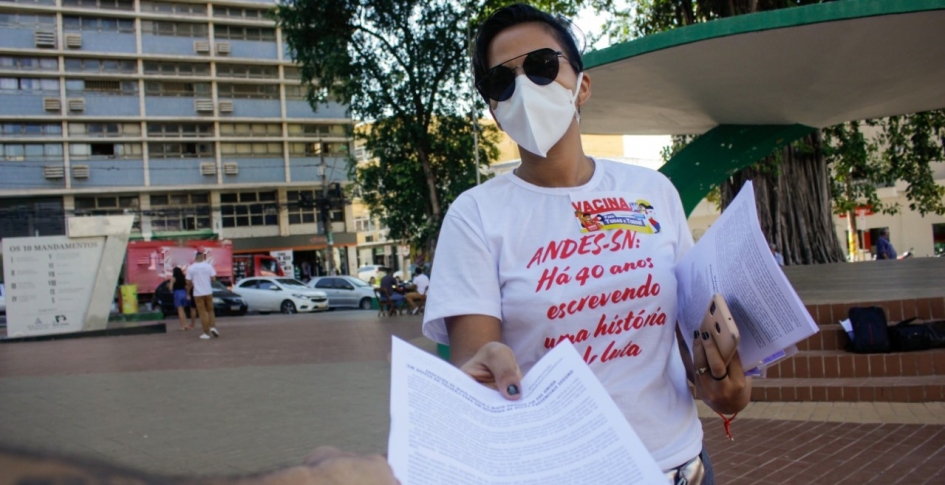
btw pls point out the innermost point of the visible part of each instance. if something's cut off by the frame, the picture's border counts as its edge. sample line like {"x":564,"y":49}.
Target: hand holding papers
{"x":733,"y":259}
{"x":446,"y":428}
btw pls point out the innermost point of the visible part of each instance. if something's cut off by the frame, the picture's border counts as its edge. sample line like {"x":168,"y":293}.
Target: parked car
{"x":286,"y":295}
{"x":344,"y":291}
{"x":225,"y":302}
{"x":365,"y":273}
{"x":3,"y":299}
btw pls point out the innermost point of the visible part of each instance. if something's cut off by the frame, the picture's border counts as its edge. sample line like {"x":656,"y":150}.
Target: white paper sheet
{"x":448,"y":429}
{"x":733,"y":258}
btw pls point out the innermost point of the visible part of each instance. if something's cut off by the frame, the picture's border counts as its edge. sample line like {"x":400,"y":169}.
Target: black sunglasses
{"x":541,"y":67}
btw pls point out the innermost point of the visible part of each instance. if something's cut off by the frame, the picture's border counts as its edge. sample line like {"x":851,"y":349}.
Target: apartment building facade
{"x":189,"y":115}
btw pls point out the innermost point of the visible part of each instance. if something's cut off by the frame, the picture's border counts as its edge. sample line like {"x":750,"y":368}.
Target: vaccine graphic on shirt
{"x":615,"y":212}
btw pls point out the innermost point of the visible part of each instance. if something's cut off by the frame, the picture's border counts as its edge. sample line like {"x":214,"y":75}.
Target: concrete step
{"x":831,"y":364}
{"x":882,"y":389}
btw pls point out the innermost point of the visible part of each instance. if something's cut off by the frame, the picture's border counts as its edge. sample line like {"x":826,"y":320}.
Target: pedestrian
{"x":417,"y":297}
{"x":884,"y":248}
{"x":392,"y":290}
{"x":201,"y":275}
{"x":510,"y":287}
{"x":178,"y":283}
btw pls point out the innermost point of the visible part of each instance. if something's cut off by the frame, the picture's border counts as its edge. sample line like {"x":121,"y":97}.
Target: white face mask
{"x":536,"y":117}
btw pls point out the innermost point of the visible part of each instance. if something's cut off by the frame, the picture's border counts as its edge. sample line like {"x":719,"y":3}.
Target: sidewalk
{"x":275,"y":387}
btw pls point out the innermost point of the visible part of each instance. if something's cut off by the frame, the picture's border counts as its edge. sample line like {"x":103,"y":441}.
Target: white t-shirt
{"x":199,"y":274}
{"x":592,"y":264}
{"x":422,"y":282}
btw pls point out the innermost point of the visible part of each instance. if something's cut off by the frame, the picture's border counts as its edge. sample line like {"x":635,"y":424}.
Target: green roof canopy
{"x":757,"y":82}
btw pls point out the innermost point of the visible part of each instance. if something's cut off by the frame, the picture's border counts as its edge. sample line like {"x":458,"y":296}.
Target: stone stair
{"x":823,"y":371}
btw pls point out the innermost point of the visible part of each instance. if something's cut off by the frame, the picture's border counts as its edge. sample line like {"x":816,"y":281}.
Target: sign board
{"x":285,"y":261}
{"x":49,"y":282}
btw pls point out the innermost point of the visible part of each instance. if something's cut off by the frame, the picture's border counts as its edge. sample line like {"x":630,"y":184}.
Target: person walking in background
{"x":178,"y":284}
{"x":417,"y":297}
{"x":884,"y":248}
{"x":201,"y":275}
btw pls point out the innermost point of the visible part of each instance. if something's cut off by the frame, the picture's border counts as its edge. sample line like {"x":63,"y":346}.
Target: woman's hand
{"x":494,"y":365}
{"x":724,"y":388}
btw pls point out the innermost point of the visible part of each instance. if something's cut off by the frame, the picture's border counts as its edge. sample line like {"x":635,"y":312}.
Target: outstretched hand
{"x":494,"y":365}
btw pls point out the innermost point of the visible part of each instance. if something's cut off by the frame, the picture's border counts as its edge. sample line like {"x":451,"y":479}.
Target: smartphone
{"x":718,"y":322}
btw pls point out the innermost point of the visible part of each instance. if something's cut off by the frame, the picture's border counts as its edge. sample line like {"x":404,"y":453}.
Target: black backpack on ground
{"x":905,"y":337}
{"x":870,"y":332}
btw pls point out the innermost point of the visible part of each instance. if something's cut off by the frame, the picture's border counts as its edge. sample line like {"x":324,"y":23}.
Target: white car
{"x":275,"y":294}
{"x":365,"y":273}
{"x":345,"y":291}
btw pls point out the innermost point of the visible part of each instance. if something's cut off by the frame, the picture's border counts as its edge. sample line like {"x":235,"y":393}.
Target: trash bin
{"x":129,"y":299}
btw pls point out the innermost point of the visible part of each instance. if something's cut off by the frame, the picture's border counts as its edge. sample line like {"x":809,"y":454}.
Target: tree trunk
{"x":434,"y":201}
{"x":797,"y":217}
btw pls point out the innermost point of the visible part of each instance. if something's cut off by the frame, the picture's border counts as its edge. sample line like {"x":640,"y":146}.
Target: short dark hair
{"x":516,"y":14}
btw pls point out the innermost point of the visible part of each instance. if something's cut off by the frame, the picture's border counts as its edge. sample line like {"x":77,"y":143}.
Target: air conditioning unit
{"x":223,"y":48}
{"x":80,"y":171}
{"x":208,"y":168}
{"x":226,"y":106}
{"x":202,"y":46}
{"x":44,"y":38}
{"x":54,"y":171}
{"x":52,"y":104}
{"x":203,"y":105}
{"x":74,"y":41}
{"x":76,"y":104}
{"x":231,"y":168}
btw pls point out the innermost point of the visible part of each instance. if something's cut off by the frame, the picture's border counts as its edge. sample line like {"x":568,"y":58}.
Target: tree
{"x":402,"y":67}
{"x":839,"y":167}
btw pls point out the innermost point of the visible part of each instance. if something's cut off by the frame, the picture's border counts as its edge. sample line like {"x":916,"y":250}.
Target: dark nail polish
{"x":705,"y":335}
{"x":696,"y":334}
{"x":512,"y":390}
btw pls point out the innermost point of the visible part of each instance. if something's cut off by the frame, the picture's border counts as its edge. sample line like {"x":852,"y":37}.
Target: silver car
{"x":344,"y":291}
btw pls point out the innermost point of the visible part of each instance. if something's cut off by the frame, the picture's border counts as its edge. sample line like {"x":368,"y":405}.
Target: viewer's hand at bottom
{"x":330,"y":466}
{"x":494,"y":365}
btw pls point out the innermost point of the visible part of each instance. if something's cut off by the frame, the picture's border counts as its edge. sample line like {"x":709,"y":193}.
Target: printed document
{"x":733,"y":258}
{"x":448,"y":428}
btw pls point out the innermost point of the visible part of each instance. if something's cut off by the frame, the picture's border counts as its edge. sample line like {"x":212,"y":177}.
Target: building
{"x":188,"y":114}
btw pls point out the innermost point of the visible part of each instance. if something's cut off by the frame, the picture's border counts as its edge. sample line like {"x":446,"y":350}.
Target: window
{"x":180,"y":150}
{"x":297,"y":214}
{"x":250,"y":130}
{"x":245,"y":150}
{"x":167,"y":88}
{"x":101,"y":65}
{"x":104,"y":129}
{"x":316,"y":130}
{"x":35,"y":2}
{"x":101,"y":4}
{"x":333,"y":149}
{"x":291,"y":72}
{"x":364,"y":224}
{"x":29,"y":63}
{"x":109,"y":206}
{"x":80,"y":151}
{"x":25,"y":20}
{"x":246,"y":71}
{"x":9,"y":84}
{"x":296,"y":92}
{"x":176,"y":29}
{"x":238,"y":32}
{"x":248,"y":209}
{"x":73,"y":23}
{"x":180,"y":212}
{"x":179,"y":130}
{"x":192,"y":9}
{"x":253,"y":91}
{"x":79,"y":86}
{"x":17,"y":152}
{"x":236,"y":12}
{"x":30,"y":129}
{"x":251,"y":284}
{"x":176,"y":68}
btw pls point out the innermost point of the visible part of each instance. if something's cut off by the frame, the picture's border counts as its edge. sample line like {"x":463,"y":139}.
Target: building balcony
{"x":177,"y":46}
{"x":255,"y":108}
{"x":251,"y":170}
{"x":111,"y":172}
{"x":181,"y":171}
{"x":32,"y":174}
{"x":105,"y":42}
{"x":301,"y":109}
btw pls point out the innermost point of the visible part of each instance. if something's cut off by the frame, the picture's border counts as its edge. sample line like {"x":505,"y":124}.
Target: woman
{"x":178,"y":284}
{"x":572,"y":247}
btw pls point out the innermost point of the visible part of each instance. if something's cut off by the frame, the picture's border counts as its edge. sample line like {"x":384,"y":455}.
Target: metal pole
{"x":472,"y":78}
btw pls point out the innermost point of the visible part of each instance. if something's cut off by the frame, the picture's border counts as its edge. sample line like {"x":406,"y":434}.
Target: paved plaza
{"x":275,"y":387}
